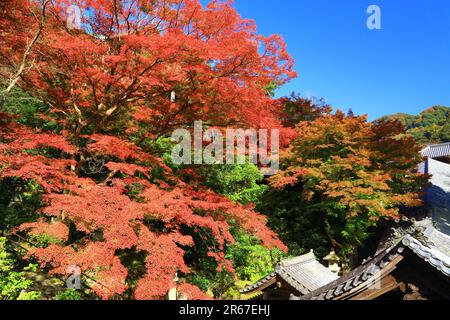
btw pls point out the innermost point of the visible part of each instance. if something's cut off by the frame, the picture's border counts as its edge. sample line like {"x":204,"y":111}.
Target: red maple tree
{"x":135,"y":71}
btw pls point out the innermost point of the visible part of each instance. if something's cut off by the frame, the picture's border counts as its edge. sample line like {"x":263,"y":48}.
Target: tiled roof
{"x":259,"y":285}
{"x":440,"y":240}
{"x":353,"y":279}
{"x":304,"y":273}
{"x":434,"y":257}
{"x":436,"y":150}
{"x":429,"y":253}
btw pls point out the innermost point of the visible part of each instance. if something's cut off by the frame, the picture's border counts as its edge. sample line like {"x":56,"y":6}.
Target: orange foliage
{"x":353,"y":169}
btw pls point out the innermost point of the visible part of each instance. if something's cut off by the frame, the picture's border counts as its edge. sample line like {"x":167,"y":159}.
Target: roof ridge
{"x":437,"y":144}
{"x":310,"y":256}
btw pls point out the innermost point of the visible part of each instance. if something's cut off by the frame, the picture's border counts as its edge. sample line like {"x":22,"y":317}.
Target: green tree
{"x":445,"y":132}
{"x":241,"y":183}
{"x":430,"y":126}
{"x":251,"y":261}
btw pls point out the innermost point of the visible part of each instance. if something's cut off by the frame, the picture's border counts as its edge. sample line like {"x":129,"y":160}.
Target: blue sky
{"x":404,"y":67}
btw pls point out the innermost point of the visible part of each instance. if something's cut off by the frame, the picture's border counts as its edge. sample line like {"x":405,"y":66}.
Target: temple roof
{"x":303,"y":273}
{"x":431,"y":255}
{"x":436,"y":150}
{"x":362,"y":277}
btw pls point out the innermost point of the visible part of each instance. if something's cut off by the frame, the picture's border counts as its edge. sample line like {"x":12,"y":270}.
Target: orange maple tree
{"x":352,"y":173}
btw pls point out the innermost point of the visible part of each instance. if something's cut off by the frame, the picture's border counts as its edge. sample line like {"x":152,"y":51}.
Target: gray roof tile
{"x":432,"y":255}
{"x":429,"y":253}
{"x":303,"y":273}
{"x":436,"y":150}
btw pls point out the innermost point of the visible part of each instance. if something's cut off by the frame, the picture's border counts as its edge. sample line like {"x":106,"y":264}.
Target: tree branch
{"x":15,"y":78}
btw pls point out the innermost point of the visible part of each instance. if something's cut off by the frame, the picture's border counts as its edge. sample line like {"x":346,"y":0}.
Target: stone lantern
{"x":332,"y":260}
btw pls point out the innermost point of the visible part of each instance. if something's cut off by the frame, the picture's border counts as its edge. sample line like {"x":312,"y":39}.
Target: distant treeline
{"x":430,"y":126}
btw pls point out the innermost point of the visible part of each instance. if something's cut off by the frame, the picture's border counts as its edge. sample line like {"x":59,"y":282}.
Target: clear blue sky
{"x":404,"y":67}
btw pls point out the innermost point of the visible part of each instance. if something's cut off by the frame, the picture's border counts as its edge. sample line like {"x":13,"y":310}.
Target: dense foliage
{"x":429,"y":127}
{"x":14,"y":285}
{"x":344,"y":174}
{"x":106,"y":200}
{"x":86,"y":179}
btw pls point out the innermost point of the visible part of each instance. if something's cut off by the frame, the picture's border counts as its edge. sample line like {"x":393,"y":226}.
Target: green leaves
{"x":30,"y":110}
{"x":69,"y":294}
{"x":32,"y":295}
{"x":430,"y":126}
{"x":251,"y":262}
{"x":240,"y":183}
{"x":13,"y":284}
{"x":19,"y":202}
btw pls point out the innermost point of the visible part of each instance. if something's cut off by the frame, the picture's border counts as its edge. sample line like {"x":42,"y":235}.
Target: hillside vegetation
{"x":430,"y":126}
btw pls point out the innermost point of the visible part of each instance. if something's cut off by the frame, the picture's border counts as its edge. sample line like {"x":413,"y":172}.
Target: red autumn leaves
{"x":115,"y":76}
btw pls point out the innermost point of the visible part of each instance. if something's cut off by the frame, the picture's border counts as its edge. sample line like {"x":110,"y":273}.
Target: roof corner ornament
{"x":403,"y":228}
